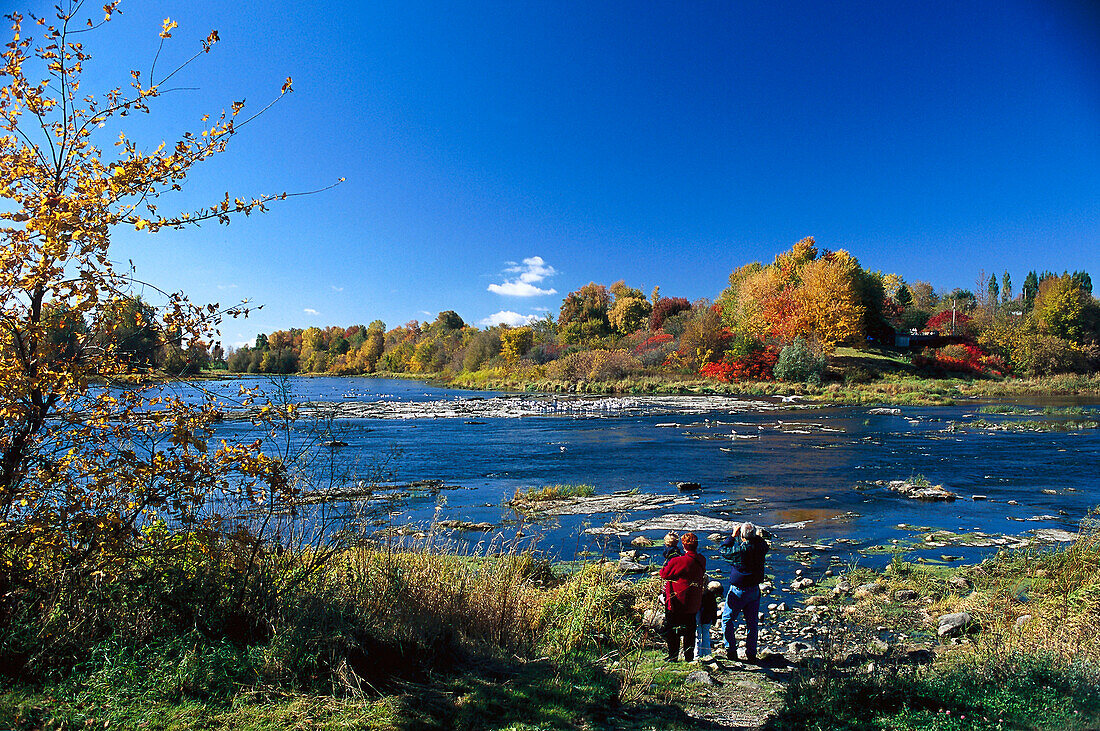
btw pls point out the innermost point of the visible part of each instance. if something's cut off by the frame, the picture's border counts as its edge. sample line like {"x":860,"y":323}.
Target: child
{"x":672,"y":546}
{"x":708,"y":613}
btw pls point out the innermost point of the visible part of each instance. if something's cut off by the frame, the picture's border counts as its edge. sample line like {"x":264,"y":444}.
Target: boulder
{"x":653,"y":618}
{"x":842,"y":587}
{"x":641,"y":542}
{"x":958,"y":582}
{"x":685,"y":486}
{"x":906,"y":595}
{"x":866,"y":590}
{"x":950,"y":625}
{"x":1022,"y":620}
{"x":699,"y":677}
{"x":632,"y":567}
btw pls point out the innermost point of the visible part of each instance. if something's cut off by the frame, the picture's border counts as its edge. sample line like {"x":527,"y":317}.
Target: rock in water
{"x":922,"y":491}
{"x":953,"y":624}
{"x":685,"y":486}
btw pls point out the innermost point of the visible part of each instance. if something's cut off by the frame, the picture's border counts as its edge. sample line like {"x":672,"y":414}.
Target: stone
{"x":950,"y":625}
{"x":465,"y":525}
{"x":1050,"y":492}
{"x":828,"y":572}
{"x":815,"y":601}
{"x":931,"y":493}
{"x":699,"y":677}
{"x":684,"y":486}
{"x":906,"y":595}
{"x":842,"y":587}
{"x":959,"y":583}
{"x":631,"y":555}
{"x":1013,"y":502}
{"x":1054,"y":535}
{"x":867,"y":590}
{"x":632,"y":567}
{"x":918,"y":654}
{"x":782,"y":607}
{"x":978,"y":497}
{"x":1022,"y":620}
{"x":653,"y":618}
{"x":641,"y":542}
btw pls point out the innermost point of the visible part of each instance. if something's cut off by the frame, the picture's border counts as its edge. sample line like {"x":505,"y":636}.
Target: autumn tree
{"x":630,"y":310}
{"x":664,"y":308}
{"x":76,"y":467}
{"x":515,"y":342}
{"x":583,"y":314}
{"x":1060,"y":305}
{"x":828,"y":299}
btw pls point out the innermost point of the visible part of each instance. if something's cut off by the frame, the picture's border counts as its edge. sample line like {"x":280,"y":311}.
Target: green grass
{"x":553,"y":492}
{"x":979,"y":692}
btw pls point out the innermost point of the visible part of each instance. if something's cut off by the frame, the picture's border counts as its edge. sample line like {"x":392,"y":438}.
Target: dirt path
{"x":742,"y":696}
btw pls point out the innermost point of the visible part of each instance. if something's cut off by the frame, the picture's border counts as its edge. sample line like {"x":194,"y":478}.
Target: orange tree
{"x":83,"y":468}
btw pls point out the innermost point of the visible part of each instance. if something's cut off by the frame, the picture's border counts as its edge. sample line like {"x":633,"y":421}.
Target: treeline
{"x":778,"y":320}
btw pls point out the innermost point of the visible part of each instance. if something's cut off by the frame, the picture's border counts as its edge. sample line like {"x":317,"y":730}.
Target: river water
{"x":813,"y":472}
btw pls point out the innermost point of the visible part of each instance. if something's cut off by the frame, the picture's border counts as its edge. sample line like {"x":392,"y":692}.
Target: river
{"x":816,"y":473}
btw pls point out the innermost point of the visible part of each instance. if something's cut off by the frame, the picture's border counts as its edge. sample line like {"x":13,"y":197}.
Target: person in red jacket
{"x":685,"y":577}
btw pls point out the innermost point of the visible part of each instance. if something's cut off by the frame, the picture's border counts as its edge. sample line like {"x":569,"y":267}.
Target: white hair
{"x":747,"y":530}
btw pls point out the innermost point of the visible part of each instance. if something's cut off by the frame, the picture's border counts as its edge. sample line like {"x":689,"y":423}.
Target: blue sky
{"x":499,"y":155}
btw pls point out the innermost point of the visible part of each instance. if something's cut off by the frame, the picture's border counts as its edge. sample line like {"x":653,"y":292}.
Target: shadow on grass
{"x":536,"y":695}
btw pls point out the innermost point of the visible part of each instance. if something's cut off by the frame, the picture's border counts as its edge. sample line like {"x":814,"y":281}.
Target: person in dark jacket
{"x":745,"y":550}
{"x":708,"y":613}
{"x":684,"y":576}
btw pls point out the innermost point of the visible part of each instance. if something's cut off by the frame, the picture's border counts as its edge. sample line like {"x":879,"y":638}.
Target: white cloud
{"x":507,"y":317}
{"x":519,"y":289}
{"x":311,"y":311}
{"x":227,"y":286}
{"x":425,"y":313}
{"x":336,"y":289}
{"x":533,"y":269}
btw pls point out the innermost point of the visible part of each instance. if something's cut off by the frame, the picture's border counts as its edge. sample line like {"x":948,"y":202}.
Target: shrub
{"x":758,"y":365}
{"x":797,"y":362}
{"x":1044,"y":355}
{"x":594,"y":365}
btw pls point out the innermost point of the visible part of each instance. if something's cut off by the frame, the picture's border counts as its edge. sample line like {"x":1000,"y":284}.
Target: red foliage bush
{"x":652,"y":342}
{"x":666,"y":307}
{"x":962,"y":358}
{"x":756,"y":366}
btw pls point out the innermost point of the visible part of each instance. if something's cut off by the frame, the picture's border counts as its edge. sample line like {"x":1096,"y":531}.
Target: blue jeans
{"x":702,"y":637}
{"x":741,"y":601}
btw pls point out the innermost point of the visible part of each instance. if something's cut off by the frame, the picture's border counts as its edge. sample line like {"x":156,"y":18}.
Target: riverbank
{"x":387,"y":638}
